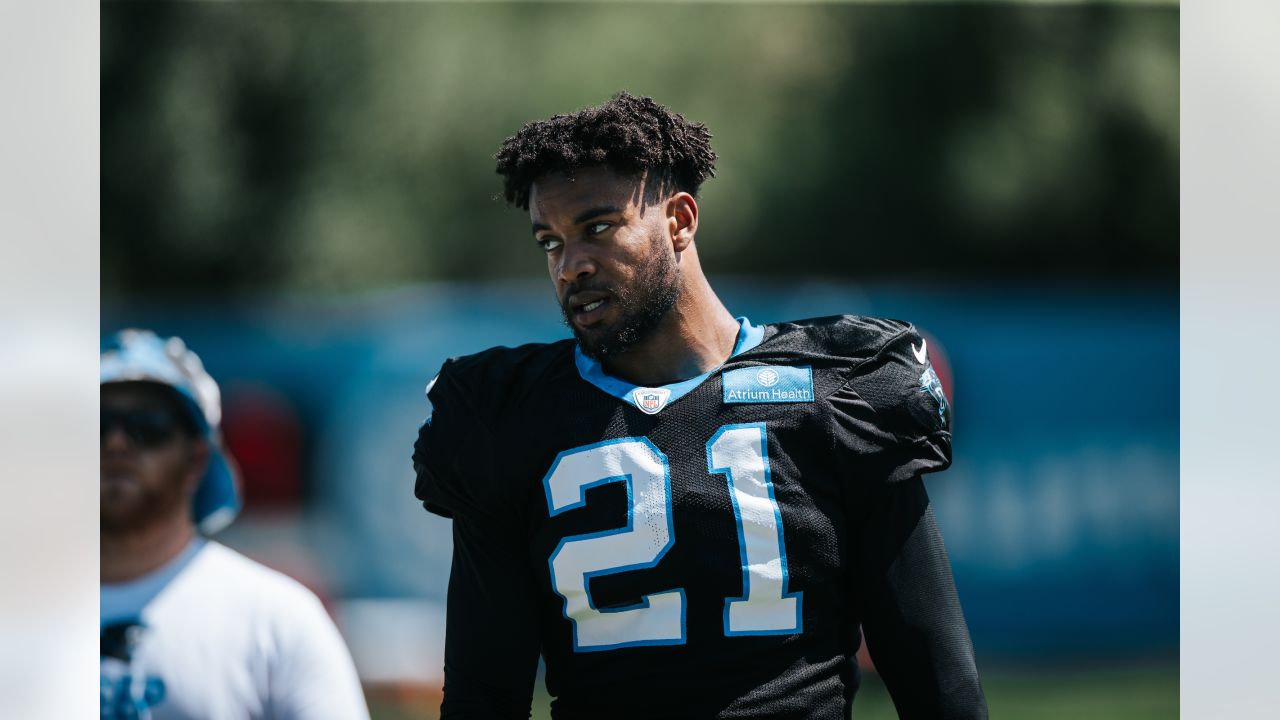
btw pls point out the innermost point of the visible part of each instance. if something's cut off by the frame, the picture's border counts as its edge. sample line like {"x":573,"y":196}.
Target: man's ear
{"x":682,"y":220}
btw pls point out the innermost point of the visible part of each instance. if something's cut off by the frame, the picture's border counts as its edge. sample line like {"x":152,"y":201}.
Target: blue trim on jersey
{"x":749,"y":336}
{"x":742,"y":540}
{"x":629,"y":527}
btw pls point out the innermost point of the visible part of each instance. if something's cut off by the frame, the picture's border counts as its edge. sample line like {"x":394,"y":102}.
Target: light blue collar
{"x":749,"y":336}
{"x":126,"y":600}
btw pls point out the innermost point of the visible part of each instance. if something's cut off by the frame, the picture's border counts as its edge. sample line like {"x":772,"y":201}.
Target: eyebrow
{"x":585,"y":215}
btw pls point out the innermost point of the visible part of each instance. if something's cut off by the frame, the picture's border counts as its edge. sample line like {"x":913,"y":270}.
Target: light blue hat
{"x":142,"y":356}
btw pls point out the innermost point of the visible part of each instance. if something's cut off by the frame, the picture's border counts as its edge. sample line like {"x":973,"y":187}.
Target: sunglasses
{"x":144,"y":428}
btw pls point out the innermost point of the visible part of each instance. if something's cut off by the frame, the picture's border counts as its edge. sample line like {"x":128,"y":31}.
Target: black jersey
{"x":691,"y":550}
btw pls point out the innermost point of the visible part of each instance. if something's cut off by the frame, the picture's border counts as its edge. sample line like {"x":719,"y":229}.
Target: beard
{"x":136,"y":506}
{"x":641,"y":308}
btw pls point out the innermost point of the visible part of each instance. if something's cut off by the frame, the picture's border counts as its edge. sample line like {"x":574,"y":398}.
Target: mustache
{"x":575,"y":288}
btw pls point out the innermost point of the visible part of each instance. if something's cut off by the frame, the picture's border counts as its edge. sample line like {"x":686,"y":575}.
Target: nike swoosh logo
{"x":920,"y":353}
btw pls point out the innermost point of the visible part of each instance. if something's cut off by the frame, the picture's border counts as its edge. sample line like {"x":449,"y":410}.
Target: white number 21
{"x":740,"y":453}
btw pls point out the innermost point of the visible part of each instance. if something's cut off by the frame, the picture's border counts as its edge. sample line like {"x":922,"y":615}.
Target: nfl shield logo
{"x":650,"y":400}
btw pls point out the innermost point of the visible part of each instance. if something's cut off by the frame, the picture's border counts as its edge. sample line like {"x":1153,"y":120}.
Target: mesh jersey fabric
{"x":500,"y":420}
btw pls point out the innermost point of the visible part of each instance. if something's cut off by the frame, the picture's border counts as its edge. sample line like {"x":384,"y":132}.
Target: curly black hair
{"x":629,"y":135}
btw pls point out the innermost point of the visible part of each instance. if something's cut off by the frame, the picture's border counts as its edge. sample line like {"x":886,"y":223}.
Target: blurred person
{"x":189,"y":627}
{"x":686,"y":514}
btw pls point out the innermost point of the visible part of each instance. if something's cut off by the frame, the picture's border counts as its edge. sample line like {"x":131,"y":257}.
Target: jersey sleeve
{"x":492,"y":636}
{"x":451,"y":458}
{"x":908,"y":605}
{"x":891,"y":418}
{"x":491,"y":631}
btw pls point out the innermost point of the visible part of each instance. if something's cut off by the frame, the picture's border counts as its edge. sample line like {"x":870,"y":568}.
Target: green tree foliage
{"x":337,"y":147}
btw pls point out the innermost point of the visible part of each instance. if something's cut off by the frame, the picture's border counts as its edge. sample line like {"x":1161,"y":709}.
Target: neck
{"x":696,"y":336}
{"x":130,"y":554}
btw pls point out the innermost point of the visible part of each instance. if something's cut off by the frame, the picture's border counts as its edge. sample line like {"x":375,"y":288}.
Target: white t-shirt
{"x":214,"y":635}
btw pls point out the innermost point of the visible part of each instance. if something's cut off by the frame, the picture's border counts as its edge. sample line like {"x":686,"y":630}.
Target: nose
{"x":576,"y":263}
{"x":115,"y":438}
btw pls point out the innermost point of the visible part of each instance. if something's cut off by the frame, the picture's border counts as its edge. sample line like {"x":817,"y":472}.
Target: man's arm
{"x":491,"y":631}
{"x":911,"y":615}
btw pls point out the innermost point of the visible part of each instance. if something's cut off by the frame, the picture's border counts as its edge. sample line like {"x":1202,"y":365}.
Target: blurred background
{"x":305,"y":193}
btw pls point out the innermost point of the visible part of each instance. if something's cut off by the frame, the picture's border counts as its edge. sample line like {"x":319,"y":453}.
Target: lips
{"x":117,"y":477}
{"x":117,"y":469}
{"x":588,"y":308}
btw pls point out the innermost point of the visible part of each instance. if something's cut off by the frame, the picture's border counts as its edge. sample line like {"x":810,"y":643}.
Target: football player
{"x":685,"y":513}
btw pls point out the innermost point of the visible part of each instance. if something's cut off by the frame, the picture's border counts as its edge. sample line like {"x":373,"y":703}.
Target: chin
{"x":595,"y":338}
{"x":599,"y":346}
{"x":592,"y":349}
{"x":115,"y":520}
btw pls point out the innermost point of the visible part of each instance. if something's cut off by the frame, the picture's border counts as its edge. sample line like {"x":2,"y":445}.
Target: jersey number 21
{"x":740,"y":453}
